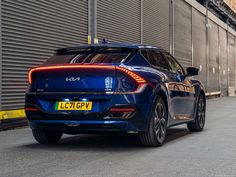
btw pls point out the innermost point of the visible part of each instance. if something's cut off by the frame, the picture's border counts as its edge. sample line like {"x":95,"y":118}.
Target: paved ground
{"x":209,"y":153}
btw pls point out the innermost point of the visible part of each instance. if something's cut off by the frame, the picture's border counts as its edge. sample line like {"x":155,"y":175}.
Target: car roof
{"x":107,"y":45}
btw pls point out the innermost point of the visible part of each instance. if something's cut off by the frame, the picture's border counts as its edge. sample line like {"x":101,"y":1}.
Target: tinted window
{"x":156,"y":59}
{"x":91,"y":55}
{"x":59,"y":59}
{"x":144,"y":53}
{"x":174,"y":65}
{"x":100,"y":58}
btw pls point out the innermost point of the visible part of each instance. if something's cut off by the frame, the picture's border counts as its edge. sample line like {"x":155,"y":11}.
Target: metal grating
{"x":31,"y":31}
{"x":156,"y":23}
{"x":119,"y":20}
{"x":182,"y":32}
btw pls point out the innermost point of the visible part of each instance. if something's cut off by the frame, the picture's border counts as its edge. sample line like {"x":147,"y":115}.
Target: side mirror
{"x":191,"y":71}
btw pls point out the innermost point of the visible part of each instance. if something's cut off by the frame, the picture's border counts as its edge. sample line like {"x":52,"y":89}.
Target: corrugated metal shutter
{"x":182,"y":30}
{"x":199,"y":44}
{"x":223,"y":61}
{"x":213,"y":69}
{"x":31,"y":31}
{"x":156,"y":23}
{"x":235,"y":63}
{"x":231,"y":60}
{"x":119,"y":20}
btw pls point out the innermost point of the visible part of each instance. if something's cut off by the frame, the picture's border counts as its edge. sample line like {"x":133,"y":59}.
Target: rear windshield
{"x":92,"y":55}
{"x":100,"y":58}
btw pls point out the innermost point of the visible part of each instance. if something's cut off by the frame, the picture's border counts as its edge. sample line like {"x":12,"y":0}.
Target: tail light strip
{"x":45,"y":68}
{"x":138,"y":79}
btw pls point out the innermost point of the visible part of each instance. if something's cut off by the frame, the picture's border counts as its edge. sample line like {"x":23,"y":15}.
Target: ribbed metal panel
{"x":156,"y":23}
{"x":182,"y":32}
{"x":31,"y":31}
{"x":231,"y":60}
{"x":213,"y":69}
{"x":223,"y":61}
{"x":199,"y":44}
{"x":119,"y":20}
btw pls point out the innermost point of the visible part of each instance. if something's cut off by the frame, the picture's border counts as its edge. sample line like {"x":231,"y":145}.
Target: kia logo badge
{"x":72,"y":79}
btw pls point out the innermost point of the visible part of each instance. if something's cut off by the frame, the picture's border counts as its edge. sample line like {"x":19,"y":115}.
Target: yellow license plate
{"x":74,"y":106}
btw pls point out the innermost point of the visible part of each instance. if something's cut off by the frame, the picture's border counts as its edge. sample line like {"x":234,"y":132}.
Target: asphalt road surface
{"x":206,"y":154}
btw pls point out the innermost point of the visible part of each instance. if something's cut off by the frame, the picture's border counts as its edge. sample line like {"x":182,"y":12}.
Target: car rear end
{"x":92,"y":91}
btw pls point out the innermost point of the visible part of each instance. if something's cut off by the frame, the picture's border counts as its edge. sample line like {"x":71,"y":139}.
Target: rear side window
{"x":100,"y":58}
{"x":174,"y":66}
{"x":156,"y":59}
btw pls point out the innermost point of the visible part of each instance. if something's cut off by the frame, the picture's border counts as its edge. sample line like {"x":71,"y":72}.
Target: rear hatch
{"x":89,"y":78}
{"x":90,"y":88}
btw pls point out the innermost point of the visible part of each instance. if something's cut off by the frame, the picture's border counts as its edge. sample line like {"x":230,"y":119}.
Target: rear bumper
{"x":45,"y":115}
{"x":90,"y":122}
{"x":84,"y":126}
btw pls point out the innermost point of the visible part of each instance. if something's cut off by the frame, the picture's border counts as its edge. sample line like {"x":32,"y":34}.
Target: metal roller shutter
{"x":119,"y":20}
{"x":199,"y":44}
{"x":223,"y":61}
{"x":156,"y":23}
{"x":31,"y":31}
{"x":213,"y":69}
{"x":231,"y":60}
{"x":182,"y":32}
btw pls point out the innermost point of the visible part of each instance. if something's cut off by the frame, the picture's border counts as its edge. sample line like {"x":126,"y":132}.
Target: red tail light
{"x":133,"y":75}
{"x":141,"y":82}
{"x":45,"y":68}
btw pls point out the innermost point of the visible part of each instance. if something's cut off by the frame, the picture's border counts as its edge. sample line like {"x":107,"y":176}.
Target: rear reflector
{"x":31,"y":109}
{"x":122,"y":110}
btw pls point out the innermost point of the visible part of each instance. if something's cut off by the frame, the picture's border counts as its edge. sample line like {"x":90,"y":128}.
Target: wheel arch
{"x":163,"y":95}
{"x":203,"y":94}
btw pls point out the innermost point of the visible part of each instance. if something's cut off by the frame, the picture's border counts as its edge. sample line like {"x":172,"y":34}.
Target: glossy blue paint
{"x":48,"y":87}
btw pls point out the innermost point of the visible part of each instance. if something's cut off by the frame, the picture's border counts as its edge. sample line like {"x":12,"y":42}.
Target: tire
{"x":156,"y":132}
{"x":200,"y":116}
{"x":46,"y":136}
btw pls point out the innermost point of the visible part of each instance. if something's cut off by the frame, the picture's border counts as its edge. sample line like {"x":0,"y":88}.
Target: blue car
{"x":113,"y":87}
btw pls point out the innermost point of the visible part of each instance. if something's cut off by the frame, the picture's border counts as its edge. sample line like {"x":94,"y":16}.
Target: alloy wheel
{"x":160,"y":121}
{"x":201,"y":112}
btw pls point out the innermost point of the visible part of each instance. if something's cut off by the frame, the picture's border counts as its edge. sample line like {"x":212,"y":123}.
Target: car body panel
{"x":49,"y":87}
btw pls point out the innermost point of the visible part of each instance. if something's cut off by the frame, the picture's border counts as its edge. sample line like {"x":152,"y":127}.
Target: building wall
{"x":156,"y":23}
{"x":116,"y":19}
{"x":231,"y":4}
{"x":32,"y":30}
